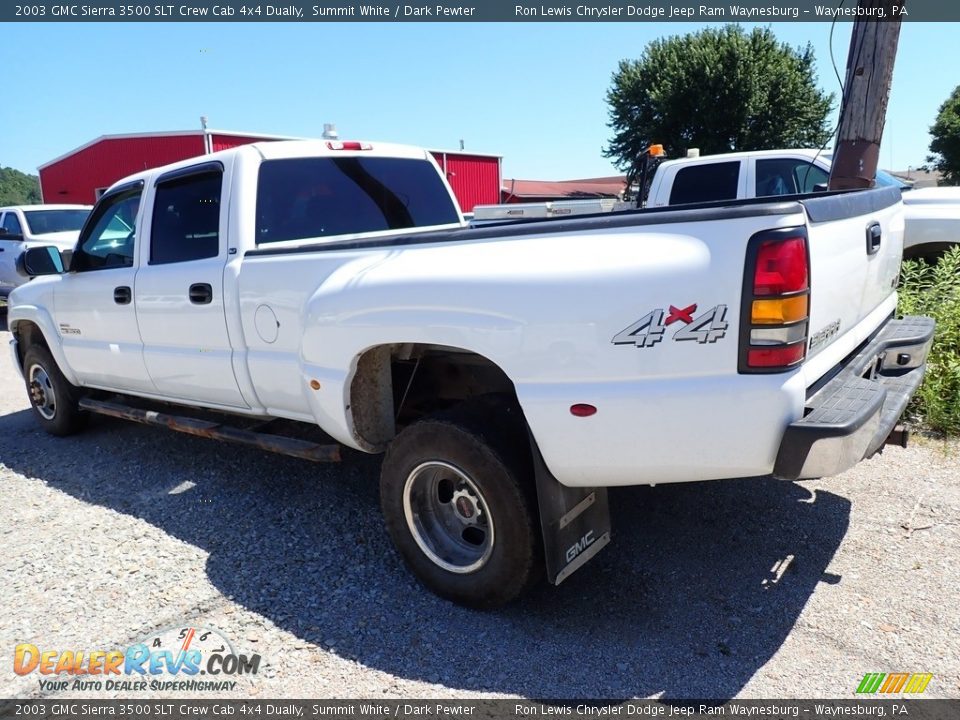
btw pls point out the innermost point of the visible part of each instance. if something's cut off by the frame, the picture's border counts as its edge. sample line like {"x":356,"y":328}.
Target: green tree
{"x":719,"y":90}
{"x":945,"y":145}
{"x":17,"y":188}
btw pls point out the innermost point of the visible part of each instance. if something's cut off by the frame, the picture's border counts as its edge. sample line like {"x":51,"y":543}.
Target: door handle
{"x":874,"y":236}
{"x":122,"y":295}
{"x":201,"y":294}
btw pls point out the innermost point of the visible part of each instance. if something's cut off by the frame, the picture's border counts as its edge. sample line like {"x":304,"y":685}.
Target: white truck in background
{"x":510,"y":373}
{"x":24,"y":226}
{"x":931,"y":215}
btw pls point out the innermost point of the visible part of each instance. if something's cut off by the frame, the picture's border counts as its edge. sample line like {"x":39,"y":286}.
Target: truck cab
{"x":733,"y":176}
{"x":148,"y":304}
{"x":931,"y":215}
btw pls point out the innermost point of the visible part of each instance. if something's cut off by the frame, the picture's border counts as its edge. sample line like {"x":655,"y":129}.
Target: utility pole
{"x":863,"y":109}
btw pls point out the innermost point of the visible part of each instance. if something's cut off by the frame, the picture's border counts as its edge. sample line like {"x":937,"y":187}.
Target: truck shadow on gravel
{"x":699,"y":588}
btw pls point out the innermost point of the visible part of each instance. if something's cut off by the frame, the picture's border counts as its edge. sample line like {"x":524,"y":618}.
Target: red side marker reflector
{"x":776,"y":355}
{"x":582,"y":410}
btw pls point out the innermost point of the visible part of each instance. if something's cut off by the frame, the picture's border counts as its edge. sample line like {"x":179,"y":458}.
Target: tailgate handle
{"x":874,"y":234}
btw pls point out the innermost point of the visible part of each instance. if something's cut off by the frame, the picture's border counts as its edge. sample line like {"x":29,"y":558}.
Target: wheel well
{"x":27,"y":335}
{"x":931,"y":252}
{"x":395,"y":385}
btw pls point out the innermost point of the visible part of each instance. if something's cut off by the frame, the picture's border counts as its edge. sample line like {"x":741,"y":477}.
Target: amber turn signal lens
{"x":779,"y":311}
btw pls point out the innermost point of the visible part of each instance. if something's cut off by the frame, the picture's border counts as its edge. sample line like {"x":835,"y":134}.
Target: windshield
{"x":885,"y":179}
{"x":42,"y":222}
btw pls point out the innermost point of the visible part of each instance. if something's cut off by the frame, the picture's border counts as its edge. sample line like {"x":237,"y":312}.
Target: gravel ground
{"x":745,"y":588}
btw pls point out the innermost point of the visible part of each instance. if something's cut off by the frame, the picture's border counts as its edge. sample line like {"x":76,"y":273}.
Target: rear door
{"x":11,"y":243}
{"x":179,"y":288}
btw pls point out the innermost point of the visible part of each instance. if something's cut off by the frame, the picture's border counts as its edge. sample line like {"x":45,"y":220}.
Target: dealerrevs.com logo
{"x":175,"y":659}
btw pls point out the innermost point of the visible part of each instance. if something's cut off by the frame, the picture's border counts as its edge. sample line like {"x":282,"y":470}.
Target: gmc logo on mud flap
{"x":579,"y":546}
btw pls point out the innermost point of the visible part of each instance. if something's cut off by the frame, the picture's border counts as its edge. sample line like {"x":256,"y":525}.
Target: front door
{"x":95,"y":309}
{"x":179,"y":289}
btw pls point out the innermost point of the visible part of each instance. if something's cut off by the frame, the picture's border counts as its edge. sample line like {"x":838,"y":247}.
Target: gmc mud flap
{"x":575,"y":521}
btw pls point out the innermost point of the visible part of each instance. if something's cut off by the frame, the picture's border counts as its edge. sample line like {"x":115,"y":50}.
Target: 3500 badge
{"x":707,"y":327}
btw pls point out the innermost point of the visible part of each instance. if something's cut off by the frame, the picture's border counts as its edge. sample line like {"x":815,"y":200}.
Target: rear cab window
{"x":303,"y":198}
{"x":707,"y":182}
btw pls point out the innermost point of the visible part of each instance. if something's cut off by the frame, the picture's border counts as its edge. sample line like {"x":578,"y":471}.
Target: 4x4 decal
{"x":707,"y":327}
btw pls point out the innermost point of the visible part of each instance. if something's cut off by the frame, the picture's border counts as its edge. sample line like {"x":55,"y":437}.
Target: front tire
{"x":458,"y":499}
{"x":53,"y":399}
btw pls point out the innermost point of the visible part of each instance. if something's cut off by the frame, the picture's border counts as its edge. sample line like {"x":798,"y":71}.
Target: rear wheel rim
{"x":42,"y":394}
{"x":448,"y":517}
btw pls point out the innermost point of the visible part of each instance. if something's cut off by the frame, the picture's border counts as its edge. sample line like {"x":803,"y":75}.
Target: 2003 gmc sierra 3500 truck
{"x":510,"y":373}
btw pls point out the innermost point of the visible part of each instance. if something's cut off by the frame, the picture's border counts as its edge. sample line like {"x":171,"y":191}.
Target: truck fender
{"x":343,"y":320}
{"x":41,"y":318}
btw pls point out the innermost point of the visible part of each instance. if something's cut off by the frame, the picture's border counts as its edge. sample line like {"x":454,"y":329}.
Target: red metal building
{"x":82,"y":174}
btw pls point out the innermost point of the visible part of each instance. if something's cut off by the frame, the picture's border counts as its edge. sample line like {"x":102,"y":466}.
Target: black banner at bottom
{"x":83,"y":709}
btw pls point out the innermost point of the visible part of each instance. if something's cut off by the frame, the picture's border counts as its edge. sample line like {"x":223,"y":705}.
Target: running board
{"x":216,"y":431}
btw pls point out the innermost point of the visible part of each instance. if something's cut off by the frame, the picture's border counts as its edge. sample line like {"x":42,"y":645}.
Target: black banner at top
{"x":762,"y":11}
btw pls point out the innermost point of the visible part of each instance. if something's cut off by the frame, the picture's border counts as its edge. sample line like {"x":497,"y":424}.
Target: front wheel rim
{"x":42,"y":394}
{"x":448,"y":517}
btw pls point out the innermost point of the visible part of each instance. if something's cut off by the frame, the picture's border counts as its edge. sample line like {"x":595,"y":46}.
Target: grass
{"x":934,"y":290}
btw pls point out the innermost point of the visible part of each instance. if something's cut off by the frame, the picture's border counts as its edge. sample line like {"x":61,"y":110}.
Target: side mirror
{"x":14,"y":237}
{"x":42,"y":260}
{"x":821,"y":187}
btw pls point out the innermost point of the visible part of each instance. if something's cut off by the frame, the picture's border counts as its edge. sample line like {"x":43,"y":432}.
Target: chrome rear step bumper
{"x":852,"y":415}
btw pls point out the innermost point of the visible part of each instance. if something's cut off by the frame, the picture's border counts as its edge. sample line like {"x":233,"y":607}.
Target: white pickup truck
{"x":931,"y":215}
{"x":511,"y":372}
{"x":24,"y":226}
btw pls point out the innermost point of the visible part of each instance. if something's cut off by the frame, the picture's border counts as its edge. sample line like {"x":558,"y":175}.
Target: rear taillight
{"x":781,"y":267}
{"x":776,"y":301}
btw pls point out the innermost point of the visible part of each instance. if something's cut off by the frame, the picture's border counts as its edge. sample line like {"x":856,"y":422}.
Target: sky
{"x":531,"y":92}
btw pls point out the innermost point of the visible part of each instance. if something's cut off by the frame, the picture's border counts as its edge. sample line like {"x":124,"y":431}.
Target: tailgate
{"x":856,"y":244}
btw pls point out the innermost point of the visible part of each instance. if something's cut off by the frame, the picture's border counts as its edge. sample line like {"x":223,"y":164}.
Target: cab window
{"x":11,"y":224}
{"x":186,"y":219}
{"x":709,"y":182}
{"x":300,"y":198}
{"x":779,"y":176}
{"x":112,"y":235}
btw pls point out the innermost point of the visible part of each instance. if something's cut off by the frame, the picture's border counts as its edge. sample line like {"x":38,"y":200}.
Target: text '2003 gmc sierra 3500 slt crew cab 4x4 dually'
{"x":510,"y":373}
